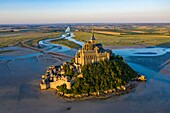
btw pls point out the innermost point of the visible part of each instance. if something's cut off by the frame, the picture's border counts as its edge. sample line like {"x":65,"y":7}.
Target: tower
{"x":92,"y":39}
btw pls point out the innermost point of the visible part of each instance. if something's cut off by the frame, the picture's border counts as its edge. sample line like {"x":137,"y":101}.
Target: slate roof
{"x":93,"y":38}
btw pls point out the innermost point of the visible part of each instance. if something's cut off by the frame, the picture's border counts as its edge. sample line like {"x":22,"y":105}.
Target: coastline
{"x":105,"y":94}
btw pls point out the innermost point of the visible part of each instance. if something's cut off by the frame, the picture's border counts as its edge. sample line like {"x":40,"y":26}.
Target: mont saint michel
{"x":94,"y":71}
{"x":84,"y":56}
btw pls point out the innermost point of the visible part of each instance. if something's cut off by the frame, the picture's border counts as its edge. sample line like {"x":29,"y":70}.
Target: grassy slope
{"x":138,"y":39}
{"x":66,"y":43}
{"x":22,"y":36}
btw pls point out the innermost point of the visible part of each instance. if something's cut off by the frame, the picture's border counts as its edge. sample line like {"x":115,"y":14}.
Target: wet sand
{"x":20,"y":93}
{"x":156,"y":63}
{"x":122,"y":47}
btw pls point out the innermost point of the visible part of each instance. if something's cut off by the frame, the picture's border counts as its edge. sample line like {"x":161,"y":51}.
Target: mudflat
{"x":20,"y":93}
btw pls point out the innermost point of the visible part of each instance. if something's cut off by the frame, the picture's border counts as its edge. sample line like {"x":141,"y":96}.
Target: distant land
{"x":124,"y":34}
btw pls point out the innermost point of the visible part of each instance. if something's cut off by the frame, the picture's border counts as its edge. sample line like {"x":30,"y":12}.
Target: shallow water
{"x":156,"y":51}
{"x":74,"y":40}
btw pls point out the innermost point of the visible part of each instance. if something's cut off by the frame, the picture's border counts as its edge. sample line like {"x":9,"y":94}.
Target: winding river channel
{"x":21,"y":69}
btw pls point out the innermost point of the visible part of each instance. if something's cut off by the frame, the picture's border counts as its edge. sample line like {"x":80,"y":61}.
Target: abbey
{"x":91,"y":52}
{"x":68,"y":72}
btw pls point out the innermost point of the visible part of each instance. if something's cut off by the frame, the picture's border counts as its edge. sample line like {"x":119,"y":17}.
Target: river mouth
{"x":20,"y":77}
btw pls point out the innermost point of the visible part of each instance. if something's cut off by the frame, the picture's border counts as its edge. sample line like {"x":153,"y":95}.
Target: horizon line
{"x":87,"y":23}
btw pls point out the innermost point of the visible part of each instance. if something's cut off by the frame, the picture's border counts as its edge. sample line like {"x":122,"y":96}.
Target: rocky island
{"x":93,"y":72}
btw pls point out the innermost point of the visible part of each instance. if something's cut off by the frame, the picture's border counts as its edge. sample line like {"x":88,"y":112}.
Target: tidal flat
{"x":20,"y":93}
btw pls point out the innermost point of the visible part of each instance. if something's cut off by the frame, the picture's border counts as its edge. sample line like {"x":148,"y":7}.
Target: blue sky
{"x":83,"y":11}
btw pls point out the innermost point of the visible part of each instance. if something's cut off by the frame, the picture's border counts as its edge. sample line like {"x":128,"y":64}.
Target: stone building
{"x":56,"y":77}
{"x":91,"y":52}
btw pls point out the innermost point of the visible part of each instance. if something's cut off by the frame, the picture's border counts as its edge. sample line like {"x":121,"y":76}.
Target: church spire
{"x":92,"y":31}
{"x":92,"y":38}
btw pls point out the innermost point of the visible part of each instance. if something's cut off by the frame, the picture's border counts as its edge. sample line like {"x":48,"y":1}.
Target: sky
{"x":84,"y":11}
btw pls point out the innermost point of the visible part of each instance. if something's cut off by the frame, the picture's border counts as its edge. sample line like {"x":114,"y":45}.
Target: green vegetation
{"x":66,"y":42}
{"x":68,"y":72}
{"x":32,"y":38}
{"x":125,"y":39}
{"x":123,"y":35}
{"x":101,"y":76}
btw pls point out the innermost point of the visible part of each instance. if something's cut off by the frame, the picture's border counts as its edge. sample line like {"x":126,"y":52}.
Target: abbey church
{"x":91,"y":52}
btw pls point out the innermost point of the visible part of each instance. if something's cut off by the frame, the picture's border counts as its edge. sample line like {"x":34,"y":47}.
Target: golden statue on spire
{"x":93,"y":40}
